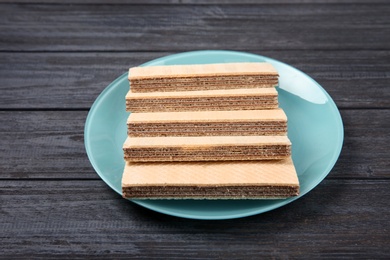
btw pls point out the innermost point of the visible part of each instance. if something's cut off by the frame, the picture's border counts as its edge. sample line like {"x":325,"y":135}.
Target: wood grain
{"x":47,"y":144}
{"x":191,"y":2}
{"x":192,"y":27}
{"x":74,"y":80}
{"x":50,"y":145}
{"x":340,"y":218}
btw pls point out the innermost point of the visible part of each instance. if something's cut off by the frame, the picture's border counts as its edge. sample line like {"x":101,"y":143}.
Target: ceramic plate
{"x":314,"y":127}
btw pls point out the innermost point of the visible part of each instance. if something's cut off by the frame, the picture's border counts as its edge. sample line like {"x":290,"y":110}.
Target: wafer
{"x":206,"y":100}
{"x":202,"y":77}
{"x":208,"y":123}
{"x":206,"y":148}
{"x":210,"y":180}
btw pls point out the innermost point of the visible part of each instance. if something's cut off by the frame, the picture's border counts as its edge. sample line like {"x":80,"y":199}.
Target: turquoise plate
{"x":315,"y":129}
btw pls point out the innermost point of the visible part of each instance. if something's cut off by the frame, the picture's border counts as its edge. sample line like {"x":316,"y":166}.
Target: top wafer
{"x":202,"y":77}
{"x":201,"y":70}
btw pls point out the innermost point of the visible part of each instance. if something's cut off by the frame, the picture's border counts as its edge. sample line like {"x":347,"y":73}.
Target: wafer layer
{"x":202,"y":70}
{"x":193,"y":86}
{"x":208,"y":123}
{"x":210,"y":100}
{"x":202,"y":77}
{"x":210,"y":180}
{"x":206,"y":148}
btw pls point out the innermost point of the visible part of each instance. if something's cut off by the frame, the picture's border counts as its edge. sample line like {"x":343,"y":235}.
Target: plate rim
{"x":281,"y":202}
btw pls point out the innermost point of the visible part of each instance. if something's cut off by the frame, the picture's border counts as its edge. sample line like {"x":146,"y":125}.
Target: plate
{"x":315,"y":129}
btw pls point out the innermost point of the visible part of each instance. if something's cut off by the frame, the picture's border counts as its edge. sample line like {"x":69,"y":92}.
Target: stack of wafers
{"x":210,"y":131}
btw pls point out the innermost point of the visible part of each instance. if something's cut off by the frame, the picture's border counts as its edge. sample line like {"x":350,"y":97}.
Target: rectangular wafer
{"x":208,"y":123}
{"x":210,"y":180}
{"x":206,"y":148}
{"x":202,"y":77}
{"x":204,"y":100}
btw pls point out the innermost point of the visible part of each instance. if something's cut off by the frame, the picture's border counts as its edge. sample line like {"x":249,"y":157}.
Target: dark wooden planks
{"x":179,"y":2}
{"x":187,"y":27}
{"x":61,"y":80}
{"x":52,"y":58}
{"x":340,"y":218}
{"x":365,"y":153}
{"x":50,"y":144}
{"x":43,"y":144}
{"x":74,"y":80}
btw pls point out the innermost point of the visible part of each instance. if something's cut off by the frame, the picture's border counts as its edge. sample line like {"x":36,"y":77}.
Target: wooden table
{"x":55,"y":59}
